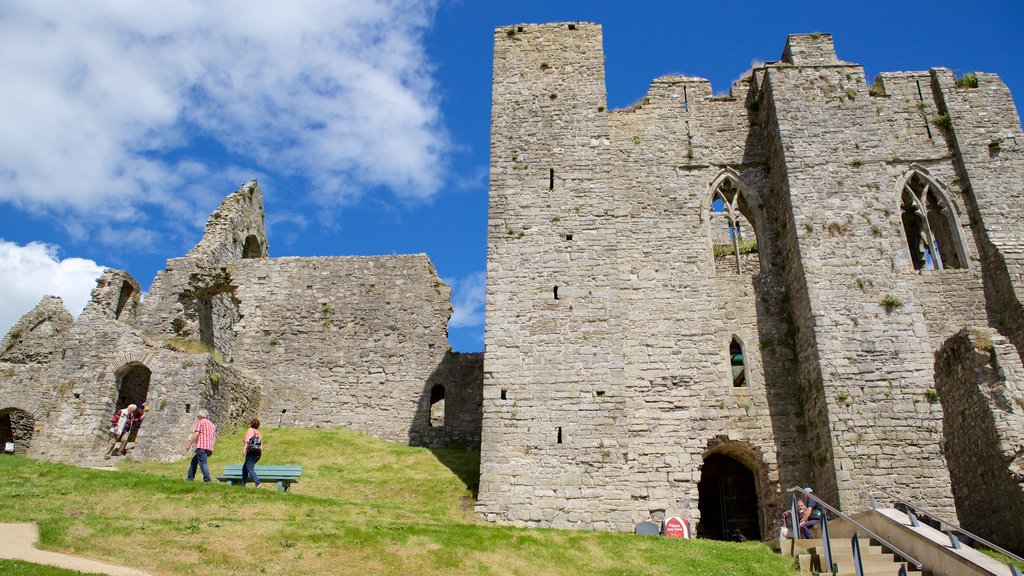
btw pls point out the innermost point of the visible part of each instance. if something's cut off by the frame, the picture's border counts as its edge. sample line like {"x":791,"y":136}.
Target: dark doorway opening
{"x":16,"y":426}
{"x":132,"y":388}
{"x":728,"y":500}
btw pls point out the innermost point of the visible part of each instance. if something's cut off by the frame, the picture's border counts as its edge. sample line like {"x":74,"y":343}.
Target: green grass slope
{"x":363,"y":506}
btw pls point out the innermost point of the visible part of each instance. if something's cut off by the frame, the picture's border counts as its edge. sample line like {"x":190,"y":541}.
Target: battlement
{"x":810,"y":50}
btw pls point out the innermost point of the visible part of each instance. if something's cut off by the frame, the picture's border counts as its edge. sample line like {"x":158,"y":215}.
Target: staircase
{"x":876,"y":562}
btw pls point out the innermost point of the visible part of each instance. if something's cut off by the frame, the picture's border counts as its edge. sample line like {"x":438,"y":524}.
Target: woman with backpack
{"x":252,"y":449}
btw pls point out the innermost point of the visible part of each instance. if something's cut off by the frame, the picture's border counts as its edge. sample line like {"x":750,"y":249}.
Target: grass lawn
{"x":364,"y":506}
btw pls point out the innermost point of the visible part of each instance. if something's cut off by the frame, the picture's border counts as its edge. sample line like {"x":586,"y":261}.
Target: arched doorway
{"x":728,"y":500}
{"x":16,"y":426}
{"x":132,"y":388}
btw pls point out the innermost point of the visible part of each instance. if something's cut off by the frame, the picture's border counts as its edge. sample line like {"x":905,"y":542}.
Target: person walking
{"x":203,"y":437}
{"x":252,"y":450}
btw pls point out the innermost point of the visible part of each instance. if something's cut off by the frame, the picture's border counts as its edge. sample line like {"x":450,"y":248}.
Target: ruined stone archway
{"x":16,"y":426}
{"x":132,"y":388}
{"x":731,"y":491}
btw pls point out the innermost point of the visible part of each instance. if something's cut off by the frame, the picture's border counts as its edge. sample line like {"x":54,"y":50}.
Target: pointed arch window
{"x":733,"y":236}
{"x":929,"y":223}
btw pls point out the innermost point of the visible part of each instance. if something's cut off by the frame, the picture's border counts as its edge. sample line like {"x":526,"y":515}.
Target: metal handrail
{"x":923,"y":512}
{"x":917,"y":563}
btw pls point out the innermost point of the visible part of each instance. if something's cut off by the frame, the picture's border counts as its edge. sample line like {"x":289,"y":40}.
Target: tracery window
{"x":733,"y":237}
{"x":930,"y":225}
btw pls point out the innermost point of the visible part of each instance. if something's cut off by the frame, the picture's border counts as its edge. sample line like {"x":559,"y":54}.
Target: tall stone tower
{"x":699,"y":301}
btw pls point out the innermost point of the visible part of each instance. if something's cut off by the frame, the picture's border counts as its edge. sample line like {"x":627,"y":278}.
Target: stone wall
{"x":610,"y":312}
{"x":355,"y":342}
{"x":981,"y":386}
{"x":357,"y":353}
{"x":601,"y":403}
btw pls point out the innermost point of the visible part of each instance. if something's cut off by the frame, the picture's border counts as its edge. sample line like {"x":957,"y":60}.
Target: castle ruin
{"x":353,"y":342}
{"x":692,"y":304}
{"x":701,"y":300}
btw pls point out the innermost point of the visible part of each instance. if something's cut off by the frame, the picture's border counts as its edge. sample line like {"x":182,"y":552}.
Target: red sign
{"x":676,"y":527}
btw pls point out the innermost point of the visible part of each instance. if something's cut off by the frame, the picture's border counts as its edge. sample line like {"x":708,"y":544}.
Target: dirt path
{"x":19,"y":543}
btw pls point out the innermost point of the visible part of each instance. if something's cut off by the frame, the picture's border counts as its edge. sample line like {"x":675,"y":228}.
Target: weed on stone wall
{"x":969,"y":80}
{"x":943,"y":121}
{"x":891,"y":303}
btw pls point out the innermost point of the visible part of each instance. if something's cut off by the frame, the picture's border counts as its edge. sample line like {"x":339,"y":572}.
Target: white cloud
{"x":468,"y":295}
{"x":101,"y":99}
{"x":33,"y":271}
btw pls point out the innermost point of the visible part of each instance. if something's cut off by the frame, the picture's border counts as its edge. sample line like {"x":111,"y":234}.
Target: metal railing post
{"x":953,"y":540}
{"x":903,"y":570}
{"x":1014,"y":570}
{"x":858,"y":563}
{"x":794,"y":522}
{"x":913,"y":519}
{"x":826,"y":543}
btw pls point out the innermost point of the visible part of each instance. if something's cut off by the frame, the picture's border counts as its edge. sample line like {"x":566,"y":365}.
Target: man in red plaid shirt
{"x":202,"y":439}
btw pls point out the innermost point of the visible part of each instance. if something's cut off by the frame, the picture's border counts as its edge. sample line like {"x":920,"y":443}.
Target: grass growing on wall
{"x":363,"y":506}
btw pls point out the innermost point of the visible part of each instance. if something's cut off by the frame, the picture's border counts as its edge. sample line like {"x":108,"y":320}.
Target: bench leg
{"x":281,"y":486}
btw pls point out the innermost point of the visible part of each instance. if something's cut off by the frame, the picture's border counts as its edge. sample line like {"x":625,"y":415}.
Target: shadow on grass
{"x":463,"y":463}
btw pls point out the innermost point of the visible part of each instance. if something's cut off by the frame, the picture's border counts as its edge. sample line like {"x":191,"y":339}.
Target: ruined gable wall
{"x":981,"y":386}
{"x":28,"y":352}
{"x":343,"y":341}
{"x":869,"y":413}
{"x":193,"y":298}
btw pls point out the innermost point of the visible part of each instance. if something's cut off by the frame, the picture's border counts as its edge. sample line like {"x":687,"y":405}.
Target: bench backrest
{"x":236,"y":470}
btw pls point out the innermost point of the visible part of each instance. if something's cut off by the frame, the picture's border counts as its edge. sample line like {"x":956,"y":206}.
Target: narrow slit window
{"x":559,"y":441}
{"x":556,"y":292}
{"x":551,"y":179}
{"x":504,"y":394}
{"x":737,"y":364}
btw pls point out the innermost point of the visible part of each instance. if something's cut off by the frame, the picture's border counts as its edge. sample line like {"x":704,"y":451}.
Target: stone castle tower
{"x":699,"y":301}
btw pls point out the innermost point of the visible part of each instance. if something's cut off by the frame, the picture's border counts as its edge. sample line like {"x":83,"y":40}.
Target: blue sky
{"x":125,"y":124}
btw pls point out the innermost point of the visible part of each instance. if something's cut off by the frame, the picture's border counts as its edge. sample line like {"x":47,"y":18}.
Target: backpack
{"x":255,"y":444}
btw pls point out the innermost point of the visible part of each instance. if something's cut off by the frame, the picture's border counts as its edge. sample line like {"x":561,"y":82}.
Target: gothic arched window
{"x":930,"y":225}
{"x":733,"y":237}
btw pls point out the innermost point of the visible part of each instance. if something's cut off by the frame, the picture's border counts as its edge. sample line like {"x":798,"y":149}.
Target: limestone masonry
{"x":350,"y":342}
{"x":692,"y":304}
{"x":699,"y":301}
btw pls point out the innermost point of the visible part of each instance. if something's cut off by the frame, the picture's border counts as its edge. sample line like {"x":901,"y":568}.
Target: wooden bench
{"x":283,"y":475}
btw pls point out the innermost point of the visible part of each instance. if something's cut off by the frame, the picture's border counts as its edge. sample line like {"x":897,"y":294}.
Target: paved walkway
{"x":19,"y":543}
